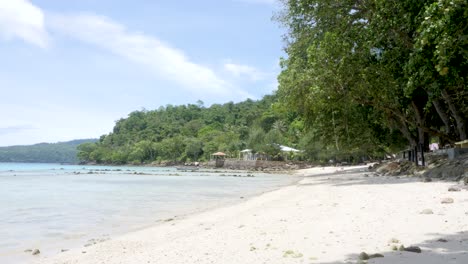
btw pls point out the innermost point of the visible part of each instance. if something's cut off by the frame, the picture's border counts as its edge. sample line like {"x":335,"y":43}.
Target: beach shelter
{"x":218,"y":156}
{"x":288,"y":152}
{"x":288,"y":149}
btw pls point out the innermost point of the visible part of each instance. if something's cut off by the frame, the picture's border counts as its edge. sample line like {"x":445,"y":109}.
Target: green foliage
{"x":62,"y":152}
{"x":375,"y":76}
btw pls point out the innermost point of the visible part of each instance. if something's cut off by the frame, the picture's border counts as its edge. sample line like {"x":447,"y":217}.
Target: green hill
{"x":61,"y":152}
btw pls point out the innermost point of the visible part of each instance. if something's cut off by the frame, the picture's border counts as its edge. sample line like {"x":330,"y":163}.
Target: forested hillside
{"x":193,"y":132}
{"x":62,"y":152}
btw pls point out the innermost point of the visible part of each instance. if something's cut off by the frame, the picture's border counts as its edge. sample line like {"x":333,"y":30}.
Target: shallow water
{"x":54,"y":207}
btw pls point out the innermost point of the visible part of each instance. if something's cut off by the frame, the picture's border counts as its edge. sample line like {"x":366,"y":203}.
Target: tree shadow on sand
{"x":441,"y":249}
{"x":359,"y":176}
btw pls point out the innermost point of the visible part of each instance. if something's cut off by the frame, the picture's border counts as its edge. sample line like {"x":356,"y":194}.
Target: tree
{"x":356,"y":69}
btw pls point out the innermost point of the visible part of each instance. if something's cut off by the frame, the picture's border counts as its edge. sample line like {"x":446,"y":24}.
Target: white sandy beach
{"x":330,"y":216}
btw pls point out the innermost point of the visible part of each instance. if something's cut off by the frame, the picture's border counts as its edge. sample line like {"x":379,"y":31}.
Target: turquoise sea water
{"x":54,"y":207}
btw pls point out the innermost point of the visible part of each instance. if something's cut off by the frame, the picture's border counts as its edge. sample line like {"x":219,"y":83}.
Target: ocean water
{"x":53,"y":207}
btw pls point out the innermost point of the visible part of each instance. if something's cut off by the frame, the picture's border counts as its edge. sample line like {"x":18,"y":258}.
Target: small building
{"x":288,"y":152}
{"x":461,"y":144}
{"x":246,"y":154}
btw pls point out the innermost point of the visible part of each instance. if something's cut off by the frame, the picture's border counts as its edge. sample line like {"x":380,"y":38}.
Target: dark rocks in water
{"x":363,"y":256}
{"x":447,"y":201}
{"x":413,"y":249}
{"x":454,"y":189}
{"x":36,"y":252}
{"x":376,"y":255}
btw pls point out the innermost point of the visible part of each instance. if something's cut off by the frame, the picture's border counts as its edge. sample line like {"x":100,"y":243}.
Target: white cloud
{"x":166,"y":61}
{"x":21,"y":19}
{"x":240,"y":70}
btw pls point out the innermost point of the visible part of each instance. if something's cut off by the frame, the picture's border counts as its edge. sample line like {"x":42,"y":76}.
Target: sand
{"x":330,"y":216}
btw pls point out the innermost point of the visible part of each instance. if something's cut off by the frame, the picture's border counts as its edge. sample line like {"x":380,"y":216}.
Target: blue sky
{"x":69,"y":69}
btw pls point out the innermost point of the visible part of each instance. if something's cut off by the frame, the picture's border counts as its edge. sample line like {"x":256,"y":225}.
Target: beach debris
{"x":394,"y":248}
{"x":36,"y":252}
{"x":427,"y":211}
{"x":169,"y":220}
{"x":253,"y":248}
{"x":63,"y":250}
{"x":292,"y":254}
{"x":28,"y":250}
{"x":447,"y":201}
{"x":442,"y":240}
{"x":454,"y":189}
{"x":394,"y":241}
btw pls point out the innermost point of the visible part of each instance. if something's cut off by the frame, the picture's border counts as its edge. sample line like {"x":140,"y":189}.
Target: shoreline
{"x":76,"y":239}
{"x":330,"y":216}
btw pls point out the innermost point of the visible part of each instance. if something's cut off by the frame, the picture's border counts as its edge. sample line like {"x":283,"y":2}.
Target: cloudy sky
{"x":70,"y":68}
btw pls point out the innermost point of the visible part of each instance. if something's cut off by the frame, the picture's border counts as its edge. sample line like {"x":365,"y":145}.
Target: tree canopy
{"x":368,"y":72}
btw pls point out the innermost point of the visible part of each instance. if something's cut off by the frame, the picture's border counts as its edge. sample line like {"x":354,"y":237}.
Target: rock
{"x":447,"y":201}
{"x":413,"y":249}
{"x":454,"y":189}
{"x":376,"y":255}
{"x":427,"y":179}
{"x":401,"y":248}
{"x":427,"y":211}
{"x":442,"y":240}
{"x":36,"y":252}
{"x":363,"y":256}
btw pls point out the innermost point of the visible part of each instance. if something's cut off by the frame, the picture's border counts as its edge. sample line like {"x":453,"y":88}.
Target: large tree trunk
{"x":456,"y":115}
{"x":419,"y":123}
{"x":442,"y":114}
{"x":403,"y":127}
